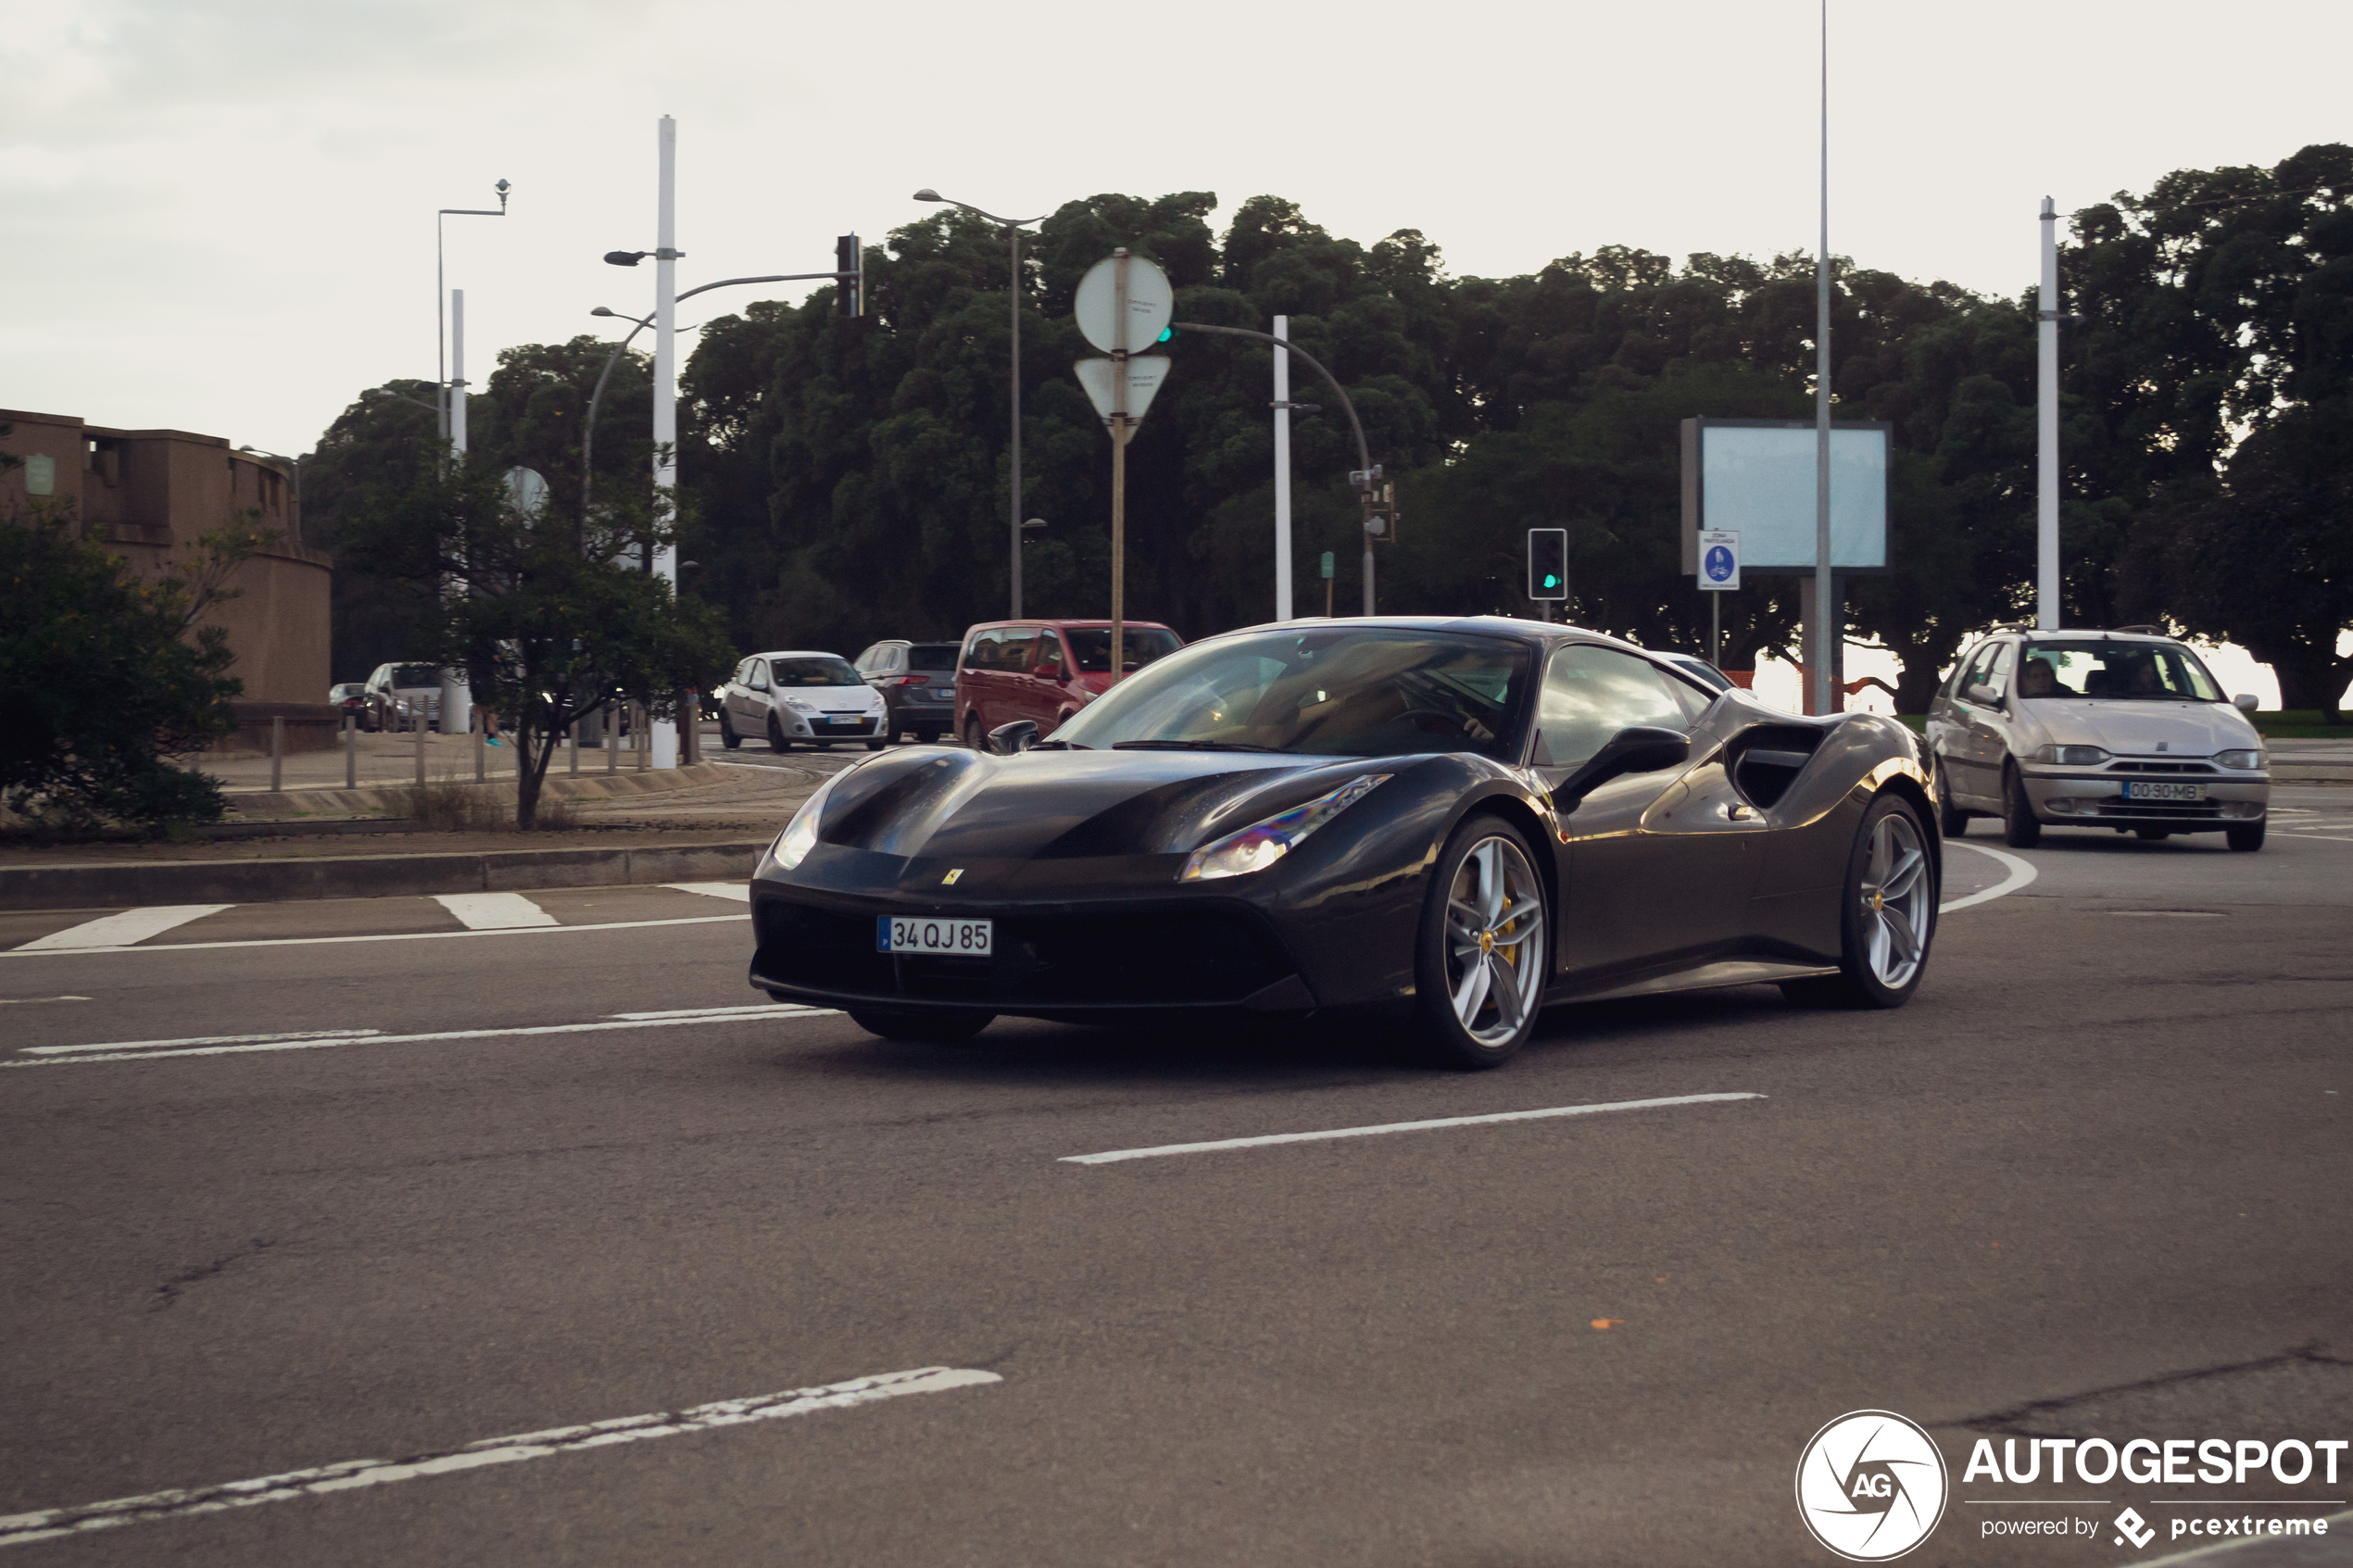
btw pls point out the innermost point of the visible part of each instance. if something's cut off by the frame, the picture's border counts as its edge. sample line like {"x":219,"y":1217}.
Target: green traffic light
{"x":1551,"y":581}
{"x":1166,"y":334}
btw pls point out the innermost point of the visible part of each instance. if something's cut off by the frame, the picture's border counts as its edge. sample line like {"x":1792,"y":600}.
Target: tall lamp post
{"x":441,"y":295}
{"x":1013,"y":227}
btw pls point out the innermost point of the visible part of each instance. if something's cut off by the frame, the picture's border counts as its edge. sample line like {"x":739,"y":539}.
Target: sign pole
{"x":1715,"y":631}
{"x":1282,"y":472}
{"x":1118,"y":463}
{"x":1826,"y":626}
{"x":2047,"y":477}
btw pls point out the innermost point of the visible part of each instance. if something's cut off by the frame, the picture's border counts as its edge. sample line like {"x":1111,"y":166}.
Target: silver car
{"x":2112,"y":730}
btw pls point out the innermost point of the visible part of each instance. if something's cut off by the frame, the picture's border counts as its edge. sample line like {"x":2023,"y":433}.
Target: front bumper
{"x":815,"y":726}
{"x":2089,"y":799}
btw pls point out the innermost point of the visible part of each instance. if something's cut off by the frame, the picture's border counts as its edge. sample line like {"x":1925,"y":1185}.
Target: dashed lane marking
{"x":122,"y":930}
{"x":351,"y":1474}
{"x":38,"y":950}
{"x":158,"y":1050}
{"x":1216,"y":1146}
{"x":493,"y":911}
{"x":2020,"y":873}
{"x":738,"y":891}
{"x":21,"y":1001}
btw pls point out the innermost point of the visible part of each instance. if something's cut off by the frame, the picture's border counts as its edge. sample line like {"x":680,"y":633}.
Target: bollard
{"x":475,"y":723}
{"x":350,"y":752}
{"x":575,"y":769}
{"x":417,"y":721}
{"x":610,"y":721}
{"x":638,"y":720}
{"x":277,"y":752}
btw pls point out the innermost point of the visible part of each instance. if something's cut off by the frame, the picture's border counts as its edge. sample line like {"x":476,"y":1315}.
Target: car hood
{"x":2143,"y":728}
{"x":930,"y":801}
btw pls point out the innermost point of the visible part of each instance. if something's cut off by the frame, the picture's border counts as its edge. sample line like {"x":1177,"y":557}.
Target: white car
{"x":815,"y":700}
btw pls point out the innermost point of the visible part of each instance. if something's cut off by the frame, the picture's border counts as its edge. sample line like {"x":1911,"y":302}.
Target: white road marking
{"x":122,"y":930}
{"x":2323,"y":837}
{"x":351,"y":1474}
{"x":2020,"y":873}
{"x":493,"y":911}
{"x":138,"y":1050}
{"x":2168,"y":914}
{"x":18,"y":1001}
{"x":763,"y":1008}
{"x":327,"y":1034}
{"x":384,"y":937}
{"x":1115,"y":1155}
{"x":738,"y":891}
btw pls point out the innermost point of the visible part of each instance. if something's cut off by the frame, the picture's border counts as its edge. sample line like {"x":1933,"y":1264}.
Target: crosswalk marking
{"x":122,"y":930}
{"x":493,"y":911}
{"x":739,"y":891}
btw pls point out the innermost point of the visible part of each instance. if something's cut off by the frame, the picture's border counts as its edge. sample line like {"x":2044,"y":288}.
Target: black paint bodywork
{"x":1723,"y":869}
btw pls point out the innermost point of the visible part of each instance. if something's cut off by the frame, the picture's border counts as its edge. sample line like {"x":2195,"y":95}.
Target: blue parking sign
{"x":1720,"y":559}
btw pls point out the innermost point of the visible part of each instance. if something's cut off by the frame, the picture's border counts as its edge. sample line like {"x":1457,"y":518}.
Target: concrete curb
{"x":369,"y":876}
{"x":255,"y":805}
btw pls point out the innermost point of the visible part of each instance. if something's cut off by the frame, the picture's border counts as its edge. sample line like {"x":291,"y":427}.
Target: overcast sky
{"x":217,"y":215}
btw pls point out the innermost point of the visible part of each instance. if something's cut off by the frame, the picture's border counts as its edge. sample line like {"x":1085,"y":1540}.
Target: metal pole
{"x":2047,"y":475}
{"x":481,"y":764}
{"x":1013,"y":506}
{"x":1118,"y":464}
{"x":456,"y":699}
{"x":419,"y":721}
{"x":440,"y":331}
{"x":1282,"y":472}
{"x":350,"y":752}
{"x":1716,"y":629}
{"x":277,"y":751}
{"x":669,"y":742}
{"x":1826,"y":624}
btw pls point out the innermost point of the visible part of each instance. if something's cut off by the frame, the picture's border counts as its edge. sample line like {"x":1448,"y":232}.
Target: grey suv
{"x":2121,"y":729}
{"x":918,"y":686}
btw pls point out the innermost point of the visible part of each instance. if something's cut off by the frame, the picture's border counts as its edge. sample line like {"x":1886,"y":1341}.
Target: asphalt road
{"x":2092,"y":1178}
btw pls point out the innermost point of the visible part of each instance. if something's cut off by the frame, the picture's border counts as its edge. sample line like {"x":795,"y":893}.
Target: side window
{"x":1050,"y":658}
{"x":865,"y":662}
{"x":1592,"y":693}
{"x":1978,"y":668}
{"x":759,"y":668}
{"x":892,"y":658}
{"x":983,"y":651}
{"x":2004,"y":659}
{"x":1019,"y":642}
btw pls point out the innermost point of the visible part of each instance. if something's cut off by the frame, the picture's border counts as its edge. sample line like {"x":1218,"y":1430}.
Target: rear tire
{"x":930,"y":1028}
{"x":2019,"y":828}
{"x":877,"y":745}
{"x":927,"y":737}
{"x":2246,"y":839}
{"x":1484,"y":954}
{"x":971,"y":733}
{"x":1887,"y":915}
{"x":1949,"y":816}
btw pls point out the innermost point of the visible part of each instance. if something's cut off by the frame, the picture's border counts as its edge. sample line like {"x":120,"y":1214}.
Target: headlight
{"x":2245,"y":761}
{"x":799,"y":706}
{"x":2071,"y":756}
{"x":1262,"y":843}
{"x":800,"y":836}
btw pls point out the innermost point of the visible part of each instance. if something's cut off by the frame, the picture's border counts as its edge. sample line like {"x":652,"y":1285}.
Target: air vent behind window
{"x":1766,"y":760}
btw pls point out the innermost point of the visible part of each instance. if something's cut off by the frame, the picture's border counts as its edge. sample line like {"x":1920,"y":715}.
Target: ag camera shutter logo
{"x":1871,"y":1486}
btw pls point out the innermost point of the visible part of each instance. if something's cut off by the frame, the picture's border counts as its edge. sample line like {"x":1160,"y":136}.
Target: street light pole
{"x":1282,"y":472}
{"x":1012,"y":509}
{"x":440,"y":296}
{"x":1827,"y":625}
{"x":2046,"y":474}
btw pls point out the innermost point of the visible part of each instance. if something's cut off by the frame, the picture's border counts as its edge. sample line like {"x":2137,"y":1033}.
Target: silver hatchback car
{"x":2119,"y":730}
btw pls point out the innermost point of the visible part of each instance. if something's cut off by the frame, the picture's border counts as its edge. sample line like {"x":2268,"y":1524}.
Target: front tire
{"x":1887,"y":915}
{"x":877,"y":745}
{"x":930,"y":1028}
{"x":2247,"y":839}
{"x":2020,"y":830}
{"x":776,"y":741}
{"x":727,"y":737}
{"x":971,"y":733}
{"x":1483,"y":956}
{"x":1949,"y":815}
{"x":927,"y":737}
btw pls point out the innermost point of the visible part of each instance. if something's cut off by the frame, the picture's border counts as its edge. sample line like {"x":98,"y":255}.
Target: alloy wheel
{"x":1893,"y":895}
{"x":1494,"y":941}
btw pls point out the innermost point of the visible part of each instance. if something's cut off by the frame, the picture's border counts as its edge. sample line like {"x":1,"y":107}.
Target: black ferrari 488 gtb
{"x":1458,"y":820}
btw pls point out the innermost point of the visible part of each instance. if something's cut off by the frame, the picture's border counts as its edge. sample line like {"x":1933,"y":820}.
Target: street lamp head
{"x":625,"y":258}
{"x":503,"y":187}
{"x":601,"y":310}
{"x":929,"y":194}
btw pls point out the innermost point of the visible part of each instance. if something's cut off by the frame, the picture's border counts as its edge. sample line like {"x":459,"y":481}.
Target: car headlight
{"x":1262,"y":843}
{"x":2071,"y":756}
{"x":2245,"y":761}
{"x":799,"y":706}
{"x":800,"y":836}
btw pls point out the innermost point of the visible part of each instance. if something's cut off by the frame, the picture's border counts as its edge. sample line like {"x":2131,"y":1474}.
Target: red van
{"x":1044,"y":671}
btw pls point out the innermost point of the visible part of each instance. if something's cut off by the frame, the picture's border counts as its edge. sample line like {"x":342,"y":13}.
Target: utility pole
{"x":1826,"y":625}
{"x":669,"y":742}
{"x":1282,"y":470}
{"x":2047,"y":475}
{"x":456,"y":695}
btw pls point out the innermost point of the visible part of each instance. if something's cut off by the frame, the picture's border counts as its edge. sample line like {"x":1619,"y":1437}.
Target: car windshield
{"x":415,"y":675}
{"x":1139,"y":646}
{"x":825,"y":670}
{"x":2114,"y":671}
{"x":933,"y":656}
{"x":1329,"y":692}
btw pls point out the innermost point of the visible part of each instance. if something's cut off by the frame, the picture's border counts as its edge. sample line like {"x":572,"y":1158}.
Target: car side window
{"x":1998,"y":674}
{"x":866,"y":660}
{"x":984,"y":651}
{"x":1019,"y":642}
{"x":1592,"y":693}
{"x":1050,"y":658}
{"x":759,"y":681}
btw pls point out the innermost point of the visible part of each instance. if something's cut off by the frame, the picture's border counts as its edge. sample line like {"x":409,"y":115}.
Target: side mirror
{"x":2244,"y":702}
{"x":1636,"y":749}
{"x":1979,"y":692}
{"x":1007,"y":739}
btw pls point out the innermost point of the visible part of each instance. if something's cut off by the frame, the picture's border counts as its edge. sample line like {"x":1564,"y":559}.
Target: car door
{"x":976,"y":677}
{"x":1985,"y":740}
{"x":1049,"y":668}
{"x":1658,"y":866}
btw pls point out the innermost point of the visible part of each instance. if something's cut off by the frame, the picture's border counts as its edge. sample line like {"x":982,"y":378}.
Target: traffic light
{"x":850,"y":290}
{"x":1548,"y":563}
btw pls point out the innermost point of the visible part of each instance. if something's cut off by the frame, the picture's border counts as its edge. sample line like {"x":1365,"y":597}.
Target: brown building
{"x":147,"y":495}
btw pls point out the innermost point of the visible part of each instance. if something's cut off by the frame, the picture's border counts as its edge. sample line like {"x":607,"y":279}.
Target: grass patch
{"x":2297,"y":723}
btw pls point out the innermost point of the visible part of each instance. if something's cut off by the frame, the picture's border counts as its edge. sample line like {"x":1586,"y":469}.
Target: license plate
{"x":966,"y":938}
{"x":945,"y":693}
{"x":843,"y":724}
{"x":2136,"y":789}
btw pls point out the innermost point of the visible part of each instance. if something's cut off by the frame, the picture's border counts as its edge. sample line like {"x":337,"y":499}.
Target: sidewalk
{"x":2312,"y":761}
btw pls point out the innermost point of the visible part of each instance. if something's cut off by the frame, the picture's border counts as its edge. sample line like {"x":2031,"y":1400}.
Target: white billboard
{"x":1756,"y":477}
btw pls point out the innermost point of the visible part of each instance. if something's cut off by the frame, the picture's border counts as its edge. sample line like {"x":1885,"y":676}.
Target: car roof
{"x":797,"y":653}
{"x":1077,"y":624}
{"x":1550,"y":631}
{"x":2027,"y":633}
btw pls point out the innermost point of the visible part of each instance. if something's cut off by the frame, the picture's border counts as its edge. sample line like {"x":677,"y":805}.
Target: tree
{"x":548,"y":611}
{"x":105,"y":677}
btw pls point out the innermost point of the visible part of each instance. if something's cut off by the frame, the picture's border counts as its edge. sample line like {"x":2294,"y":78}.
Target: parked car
{"x":2113,"y":729}
{"x":1044,"y":671}
{"x":398,"y":697}
{"x":816,"y":699}
{"x":349,"y":699}
{"x":1374,"y":815}
{"x":918,"y":686}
